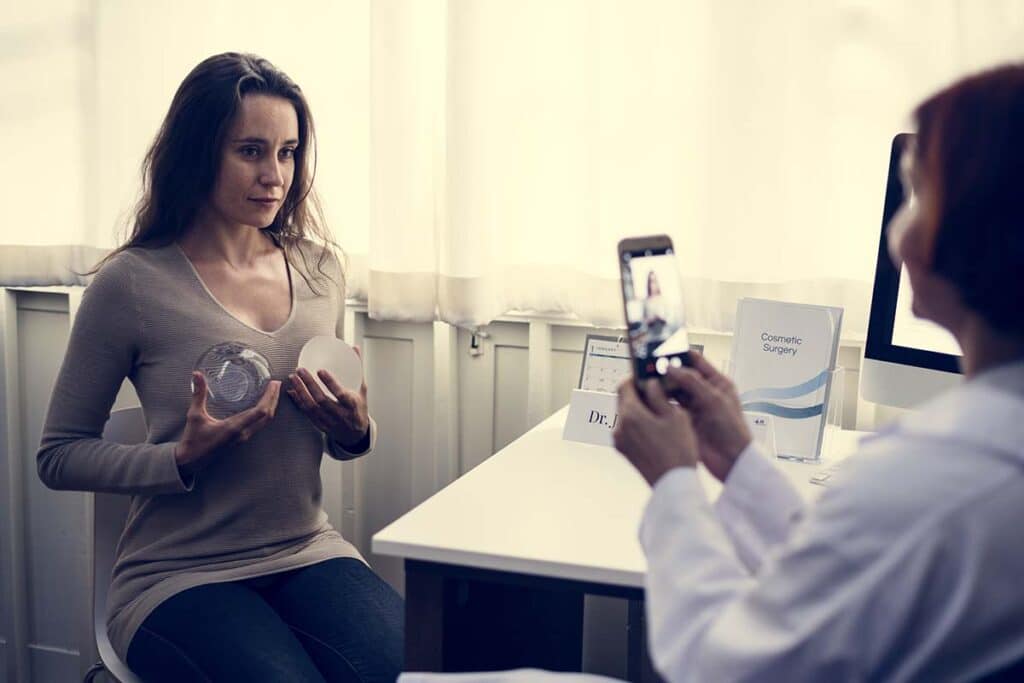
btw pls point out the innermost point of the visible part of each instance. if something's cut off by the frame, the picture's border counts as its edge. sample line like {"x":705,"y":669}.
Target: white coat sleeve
{"x":709,"y":619}
{"x":758,"y":506}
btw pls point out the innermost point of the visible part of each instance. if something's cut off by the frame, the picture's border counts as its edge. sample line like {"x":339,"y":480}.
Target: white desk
{"x":541,"y":514}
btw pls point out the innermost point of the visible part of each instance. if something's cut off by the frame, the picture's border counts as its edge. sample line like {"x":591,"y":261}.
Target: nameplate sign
{"x":592,"y":417}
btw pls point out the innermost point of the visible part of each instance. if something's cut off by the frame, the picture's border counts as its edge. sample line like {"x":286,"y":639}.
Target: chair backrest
{"x":109,"y":514}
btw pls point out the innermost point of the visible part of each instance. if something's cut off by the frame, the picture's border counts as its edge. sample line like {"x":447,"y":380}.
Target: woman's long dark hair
{"x":180,"y":168}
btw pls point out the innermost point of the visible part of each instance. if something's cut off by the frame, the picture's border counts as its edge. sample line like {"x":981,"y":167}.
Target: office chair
{"x":109,"y":513}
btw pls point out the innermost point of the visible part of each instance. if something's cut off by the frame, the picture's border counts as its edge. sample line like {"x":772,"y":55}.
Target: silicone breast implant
{"x":235,"y":377}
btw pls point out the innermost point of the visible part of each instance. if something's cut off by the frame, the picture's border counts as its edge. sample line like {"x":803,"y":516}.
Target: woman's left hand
{"x":654,"y":434}
{"x":344,"y":416}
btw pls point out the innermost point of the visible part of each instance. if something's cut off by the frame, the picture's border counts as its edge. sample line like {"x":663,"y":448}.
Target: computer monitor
{"x":906,"y":360}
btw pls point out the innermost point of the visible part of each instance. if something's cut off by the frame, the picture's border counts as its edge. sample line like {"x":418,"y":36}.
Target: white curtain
{"x":516,"y":142}
{"x":44,"y":56}
{"x":93,"y":79}
{"x":480,"y":156}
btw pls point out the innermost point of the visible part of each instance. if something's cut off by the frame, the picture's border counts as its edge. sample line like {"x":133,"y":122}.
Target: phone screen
{"x":655,"y":320}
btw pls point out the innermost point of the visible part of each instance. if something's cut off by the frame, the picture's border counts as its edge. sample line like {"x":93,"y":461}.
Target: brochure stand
{"x":762,"y":425}
{"x":784,"y":365}
{"x":833,"y":414}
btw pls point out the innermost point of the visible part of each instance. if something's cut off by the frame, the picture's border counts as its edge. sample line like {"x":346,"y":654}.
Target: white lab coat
{"x":910,"y":567}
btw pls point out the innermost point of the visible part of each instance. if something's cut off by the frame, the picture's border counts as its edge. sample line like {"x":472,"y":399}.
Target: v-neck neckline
{"x":213,"y":297}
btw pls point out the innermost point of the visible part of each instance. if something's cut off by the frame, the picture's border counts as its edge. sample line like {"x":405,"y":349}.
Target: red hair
{"x":970,"y":155}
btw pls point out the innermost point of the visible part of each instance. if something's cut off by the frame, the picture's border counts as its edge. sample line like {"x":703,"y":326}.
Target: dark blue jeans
{"x":331,"y":621}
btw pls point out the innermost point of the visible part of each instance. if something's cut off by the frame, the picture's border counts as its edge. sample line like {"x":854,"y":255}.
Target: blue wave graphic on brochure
{"x":754,"y":400}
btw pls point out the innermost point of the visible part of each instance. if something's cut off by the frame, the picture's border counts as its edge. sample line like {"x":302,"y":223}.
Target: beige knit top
{"x":256,"y":509}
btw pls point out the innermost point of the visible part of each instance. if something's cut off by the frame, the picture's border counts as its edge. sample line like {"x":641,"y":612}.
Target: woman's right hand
{"x":711,"y":399}
{"x":205,"y":434}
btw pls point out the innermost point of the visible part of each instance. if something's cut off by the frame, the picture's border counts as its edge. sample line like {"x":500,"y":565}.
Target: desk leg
{"x":482,"y":623}
{"x":424,"y":621}
{"x":498,"y":626}
{"x":639,"y":667}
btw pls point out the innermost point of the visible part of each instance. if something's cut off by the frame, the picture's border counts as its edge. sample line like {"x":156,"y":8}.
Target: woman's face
{"x":912,"y":244}
{"x":257,"y":162}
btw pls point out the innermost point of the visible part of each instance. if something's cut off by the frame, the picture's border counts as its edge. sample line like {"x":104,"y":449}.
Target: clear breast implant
{"x":236,"y":376}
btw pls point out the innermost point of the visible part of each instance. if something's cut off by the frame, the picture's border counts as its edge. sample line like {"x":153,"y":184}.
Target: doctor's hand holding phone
{"x":705,"y":424}
{"x":654,"y":434}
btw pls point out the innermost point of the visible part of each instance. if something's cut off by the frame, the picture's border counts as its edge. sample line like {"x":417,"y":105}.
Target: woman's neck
{"x":239,"y":246}
{"x":984,"y":348}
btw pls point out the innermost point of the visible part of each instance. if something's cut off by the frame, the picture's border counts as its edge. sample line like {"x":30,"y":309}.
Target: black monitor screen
{"x":894,"y":333}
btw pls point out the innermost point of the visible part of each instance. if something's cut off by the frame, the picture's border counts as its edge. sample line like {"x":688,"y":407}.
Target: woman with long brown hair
{"x":227,"y":568}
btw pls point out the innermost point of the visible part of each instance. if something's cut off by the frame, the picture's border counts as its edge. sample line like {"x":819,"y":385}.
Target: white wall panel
{"x":45,"y":588}
{"x":565,"y":375}
{"x":55,"y":521}
{"x":385,"y":475}
{"x":13,"y":627}
{"x":477,"y":391}
{"x":403,"y":469}
{"x":511,"y":384}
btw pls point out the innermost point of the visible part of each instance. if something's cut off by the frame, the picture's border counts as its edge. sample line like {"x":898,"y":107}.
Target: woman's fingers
{"x":362,"y":386}
{"x":204,"y":434}
{"x":327,"y":404}
{"x":248,"y":422}
{"x":345,"y":397}
{"x":298,"y":390}
{"x":310,"y":397}
{"x":199,"y":392}
{"x":304,"y":391}
{"x":343,"y":413}
{"x":271,"y":396}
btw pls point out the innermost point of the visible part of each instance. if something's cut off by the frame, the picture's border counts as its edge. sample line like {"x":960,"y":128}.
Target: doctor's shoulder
{"x":914,"y":475}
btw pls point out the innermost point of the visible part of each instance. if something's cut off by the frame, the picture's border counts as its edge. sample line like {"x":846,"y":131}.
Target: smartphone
{"x":653,"y":303}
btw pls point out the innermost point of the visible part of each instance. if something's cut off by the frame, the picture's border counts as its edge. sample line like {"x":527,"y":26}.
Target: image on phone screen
{"x":655,"y":319}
